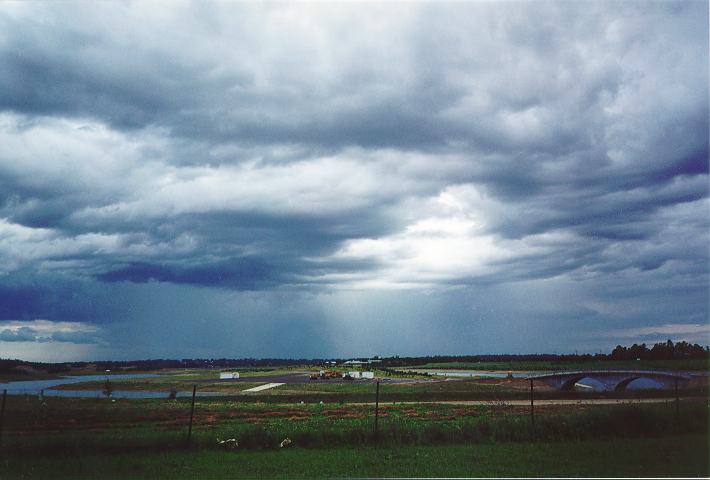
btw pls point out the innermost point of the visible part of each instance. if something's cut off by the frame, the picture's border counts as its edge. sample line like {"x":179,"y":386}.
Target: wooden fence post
{"x":532,"y":405}
{"x":2,"y":412}
{"x":377,"y":405}
{"x":192,"y":413}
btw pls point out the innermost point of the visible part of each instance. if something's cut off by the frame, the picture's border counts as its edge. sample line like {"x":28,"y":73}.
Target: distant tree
{"x":619,"y":353}
{"x":639,"y":351}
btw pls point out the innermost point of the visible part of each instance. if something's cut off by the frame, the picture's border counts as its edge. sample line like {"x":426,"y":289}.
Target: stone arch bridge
{"x":613,"y":380}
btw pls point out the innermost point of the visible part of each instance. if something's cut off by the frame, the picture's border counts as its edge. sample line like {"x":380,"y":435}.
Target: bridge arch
{"x":614,"y":380}
{"x":621,"y":386}
{"x":569,"y":384}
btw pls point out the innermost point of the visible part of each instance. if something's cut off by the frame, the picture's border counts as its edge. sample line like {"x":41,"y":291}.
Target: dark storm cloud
{"x":49,"y":297}
{"x":412,"y":95}
{"x":240,"y":273}
{"x":319,"y":148}
{"x":19,"y":303}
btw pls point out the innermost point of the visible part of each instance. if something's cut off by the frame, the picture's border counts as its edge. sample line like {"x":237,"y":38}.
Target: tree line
{"x":660,"y":351}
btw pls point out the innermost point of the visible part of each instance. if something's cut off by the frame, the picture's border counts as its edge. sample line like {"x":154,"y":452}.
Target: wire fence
{"x":36,"y":417}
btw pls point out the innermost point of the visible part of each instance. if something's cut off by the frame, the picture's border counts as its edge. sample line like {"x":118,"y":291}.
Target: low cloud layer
{"x":249,"y":155}
{"x":45,"y":331}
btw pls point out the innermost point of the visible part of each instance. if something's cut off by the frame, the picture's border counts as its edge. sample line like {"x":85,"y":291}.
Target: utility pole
{"x":532,"y":411}
{"x":192,"y":413}
{"x":532,"y":405}
{"x":2,"y":411}
{"x":677,"y":401}
{"x":377,"y":405}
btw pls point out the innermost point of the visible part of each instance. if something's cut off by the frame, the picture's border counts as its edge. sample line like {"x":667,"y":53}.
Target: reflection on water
{"x":35,"y":387}
{"x":121,"y":394}
{"x":589,"y":385}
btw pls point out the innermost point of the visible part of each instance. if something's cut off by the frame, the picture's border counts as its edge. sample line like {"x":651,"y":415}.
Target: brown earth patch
{"x":466,"y":412}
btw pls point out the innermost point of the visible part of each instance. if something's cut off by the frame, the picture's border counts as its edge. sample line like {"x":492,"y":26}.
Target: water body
{"x":121,"y":394}
{"x":35,"y":387}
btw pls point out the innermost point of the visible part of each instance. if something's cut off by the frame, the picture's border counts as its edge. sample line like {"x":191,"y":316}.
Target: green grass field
{"x":63,"y":424}
{"x":674,"y":456}
{"x":100,"y":438}
{"x":103,"y":438}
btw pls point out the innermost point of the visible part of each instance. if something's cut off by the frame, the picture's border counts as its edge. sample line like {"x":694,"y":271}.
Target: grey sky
{"x":312,"y":179}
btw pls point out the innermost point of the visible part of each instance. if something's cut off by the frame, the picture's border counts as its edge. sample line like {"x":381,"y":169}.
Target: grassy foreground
{"x":685,"y":456}
{"x":79,"y":427}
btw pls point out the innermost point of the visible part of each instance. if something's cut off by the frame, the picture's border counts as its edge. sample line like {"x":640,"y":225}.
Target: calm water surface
{"x":34,"y":387}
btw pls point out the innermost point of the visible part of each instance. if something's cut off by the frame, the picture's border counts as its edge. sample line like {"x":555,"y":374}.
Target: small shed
{"x":228,"y":375}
